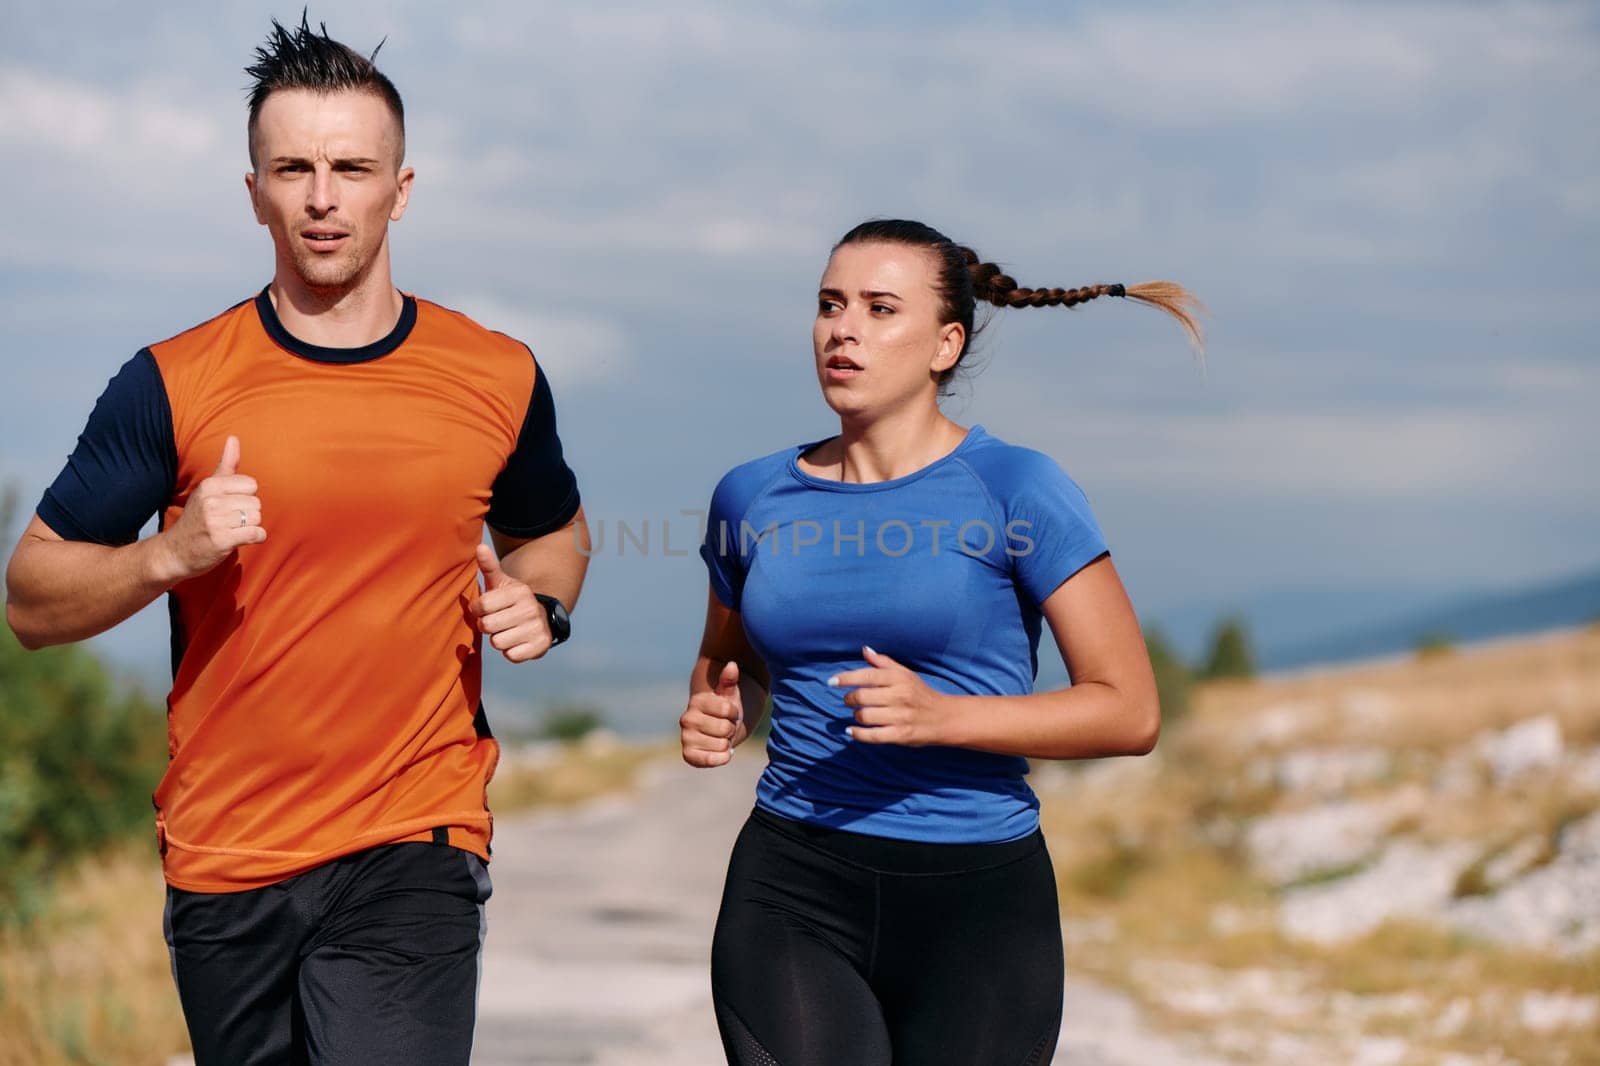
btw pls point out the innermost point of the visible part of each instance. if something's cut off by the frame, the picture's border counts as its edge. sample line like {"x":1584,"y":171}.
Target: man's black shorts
{"x":372,"y":958}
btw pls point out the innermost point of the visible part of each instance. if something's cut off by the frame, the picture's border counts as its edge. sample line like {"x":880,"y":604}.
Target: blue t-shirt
{"x":943,"y":570}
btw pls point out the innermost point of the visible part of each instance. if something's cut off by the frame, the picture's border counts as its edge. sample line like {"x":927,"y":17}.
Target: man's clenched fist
{"x":508,"y":614}
{"x":222,"y":514}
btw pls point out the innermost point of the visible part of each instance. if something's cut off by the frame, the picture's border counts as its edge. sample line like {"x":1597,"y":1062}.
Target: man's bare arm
{"x":513,"y":621}
{"x":554,"y":564}
{"x":59,"y":591}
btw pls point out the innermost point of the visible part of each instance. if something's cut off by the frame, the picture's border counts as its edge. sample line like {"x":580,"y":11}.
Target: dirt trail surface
{"x":600,"y":932}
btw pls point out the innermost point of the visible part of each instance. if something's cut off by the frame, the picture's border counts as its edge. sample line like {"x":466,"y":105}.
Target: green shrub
{"x":1173,"y":678}
{"x":1230,"y":655}
{"x":570,"y":723}
{"x":80,"y":755}
{"x":1433,"y":645}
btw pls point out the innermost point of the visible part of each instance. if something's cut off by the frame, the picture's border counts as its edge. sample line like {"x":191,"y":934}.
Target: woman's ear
{"x":952,"y":338}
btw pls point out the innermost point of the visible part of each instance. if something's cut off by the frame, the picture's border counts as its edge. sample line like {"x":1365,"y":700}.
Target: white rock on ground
{"x":1209,"y":991}
{"x":1545,"y":1012}
{"x":1380,"y":1051}
{"x":1533,"y":744}
{"x":1267,"y":1047}
{"x":1410,"y":880}
{"x":1286,"y":847}
{"x":1366,"y":708}
{"x":1333,"y":771}
{"x":1280,"y":722}
{"x":1553,"y":907}
{"x":1454,"y":1018}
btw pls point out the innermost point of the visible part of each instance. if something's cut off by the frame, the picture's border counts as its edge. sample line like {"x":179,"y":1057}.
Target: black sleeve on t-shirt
{"x":536,"y":493}
{"x":125,"y":467}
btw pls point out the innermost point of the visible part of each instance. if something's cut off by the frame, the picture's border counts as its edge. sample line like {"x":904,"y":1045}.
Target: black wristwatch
{"x":560,"y":620}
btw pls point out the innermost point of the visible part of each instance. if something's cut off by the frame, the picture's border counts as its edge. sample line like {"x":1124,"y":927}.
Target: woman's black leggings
{"x":838,"y":949}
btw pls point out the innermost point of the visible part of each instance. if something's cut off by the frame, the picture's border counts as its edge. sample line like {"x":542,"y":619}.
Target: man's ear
{"x":250,"y":187}
{"x":403,"y":193}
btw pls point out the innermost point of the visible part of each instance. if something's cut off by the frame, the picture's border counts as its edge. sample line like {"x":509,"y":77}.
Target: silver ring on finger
{"x":244,"y":519}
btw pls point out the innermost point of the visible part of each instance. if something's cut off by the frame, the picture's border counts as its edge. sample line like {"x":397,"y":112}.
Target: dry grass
{"x":89,"y":983}
{"x":1419,"y":704}
{"x":1158,"y":899}
{"x":559,"y":775}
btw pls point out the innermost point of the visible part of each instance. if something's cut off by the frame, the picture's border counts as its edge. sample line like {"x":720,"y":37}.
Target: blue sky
{"x":1392,"y":211}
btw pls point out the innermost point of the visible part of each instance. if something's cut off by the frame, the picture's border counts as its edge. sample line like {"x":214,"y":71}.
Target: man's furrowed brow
{"x":348,"y":161}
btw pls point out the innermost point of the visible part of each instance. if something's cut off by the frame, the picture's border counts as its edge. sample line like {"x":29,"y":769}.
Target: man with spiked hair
{"x":322,"y":459}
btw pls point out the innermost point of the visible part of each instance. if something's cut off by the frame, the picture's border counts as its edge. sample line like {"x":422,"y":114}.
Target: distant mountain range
{"x":1571,"y":602}
{"x":1301,"y":627}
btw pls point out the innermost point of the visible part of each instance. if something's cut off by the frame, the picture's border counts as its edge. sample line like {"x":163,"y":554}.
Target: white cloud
{"x":727,"y":131}
{"x":1213,"y":64}
{"x":39,"y":111}
{"x":137,"y":125}
{"x":119,"y":180}
{"x":1572,"y":383}
{"x":1315,"y":455}
{"x":1423,"y":181}
{"x":575,"y":349}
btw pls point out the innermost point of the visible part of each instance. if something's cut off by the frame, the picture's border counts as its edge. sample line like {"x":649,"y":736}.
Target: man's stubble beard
{"x":324,"y":276}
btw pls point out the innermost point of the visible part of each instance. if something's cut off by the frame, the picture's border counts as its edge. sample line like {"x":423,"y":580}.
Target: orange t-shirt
{"x":326,"y":682}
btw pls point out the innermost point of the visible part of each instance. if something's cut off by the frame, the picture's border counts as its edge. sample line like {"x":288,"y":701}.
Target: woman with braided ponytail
{"x":890,"y":899}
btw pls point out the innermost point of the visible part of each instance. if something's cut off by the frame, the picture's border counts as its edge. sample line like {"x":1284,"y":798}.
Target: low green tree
{"x":570,"y":722}
{"x":1230,"y":655}
{"x":1173,"y":677}
{"x":80,"y":755}
{"x":1433,"y":645}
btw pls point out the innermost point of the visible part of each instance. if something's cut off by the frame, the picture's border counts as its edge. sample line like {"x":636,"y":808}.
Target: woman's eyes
{"x":828,"y":307}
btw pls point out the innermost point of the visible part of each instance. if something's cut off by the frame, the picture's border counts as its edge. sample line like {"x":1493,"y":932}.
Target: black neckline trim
{"x":316,"y":353}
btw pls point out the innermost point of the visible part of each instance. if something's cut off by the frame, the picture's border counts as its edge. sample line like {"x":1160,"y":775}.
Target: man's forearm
{"x":553,"y":564}
{"x":60,"y":591}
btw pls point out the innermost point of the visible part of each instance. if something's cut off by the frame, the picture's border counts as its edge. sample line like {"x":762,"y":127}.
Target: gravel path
{"x":600,"y":929}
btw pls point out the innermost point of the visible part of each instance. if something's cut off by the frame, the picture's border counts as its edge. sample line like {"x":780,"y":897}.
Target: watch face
{"x":556,"y":613}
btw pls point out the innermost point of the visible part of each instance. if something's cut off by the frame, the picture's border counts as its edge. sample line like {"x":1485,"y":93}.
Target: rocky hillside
{"x":1387,"y":865}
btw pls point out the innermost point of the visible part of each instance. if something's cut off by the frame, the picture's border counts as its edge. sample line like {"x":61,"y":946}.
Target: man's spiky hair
{"x":304,"y":58}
